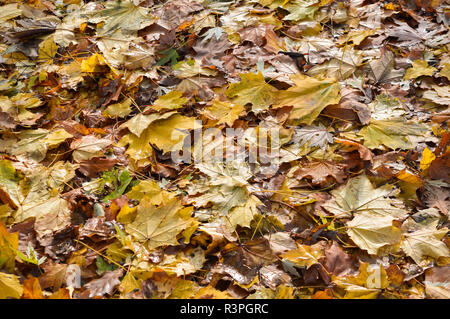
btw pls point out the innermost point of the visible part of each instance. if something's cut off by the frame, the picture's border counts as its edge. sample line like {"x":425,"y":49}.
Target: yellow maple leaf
{"x":419,"y":68}
{"x":371,"y":231}
{"x":47,"y":49}
{"x":10,"y":286}
{"x":309,"y":97}
{"x":224,"y":112}
{"x":304,"y":255}
{"x":93,"y":63}
{"x":159,"y":226}
{"x":170,"y":101}
{"x":254,"y":90}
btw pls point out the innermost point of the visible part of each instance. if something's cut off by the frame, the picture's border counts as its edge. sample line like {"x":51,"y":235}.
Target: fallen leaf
{"x":88,"y":147}
{"x":253,"y":89}
{"x":104,"y":285}
{"x":372,"y":232}
{"x":308,"y":97}
{"x":159,"y":226}
{"x":304,"y":256}
{"x":32,"y":289}
{"x":10,"y":286}
{"x":419,"y":68}
{"x":9,"y":243}
{"x":321,"y":172}
{"x":424,"y":240}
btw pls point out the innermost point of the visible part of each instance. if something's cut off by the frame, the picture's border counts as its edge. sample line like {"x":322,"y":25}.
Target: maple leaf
{"x":139,"y":148}
{"x":262,"y":35}
{"x":439,"y":199}
{"x":392,"y":133}
{"x":304,"y":256}
{"x":350,"y":107}
{"x":9,"y":11}
{"x":300,"y":9}
{"x":210,"y":50}
{"x":254,"y":90}
{"x":312,"y":135}
{"x":10,"y":286}
{"x":435,"y":282}
{"x":168,"y":134}
{"x":358,"y":196}
{"x":438,"y":94}
{"x":88,"y":147}
{"x":122,"y":14}
{"x":54,"y":275}
{"x":54,"y":216}
{"x":169,"y":101}
{"x":151,"y":190}
{"x":341,"y":65}
{"x":371,"y":232}
{"x":426,"y":31}
{"x":190,"y":68}
{"x":184,"y":263}
{"x":308,"y":97}
{"x":445,"y":71}
{"x":419,"y":68}
{"x":337,"y":261}
{"x":383,"y":69}
{"x":320,"y":171}
{"x":364,"y":285}
{"x":224,"y":112}
{"x":34,"y":195}
{"x":159,"y":226}
{"x":385,"y":107}
{"x":424,"y":240}
{"x":121,"y":109}
{"x":105,"y":284}
{"x":356,"y":36}
{"x":242,"y":262}
{"x":140,"y":122}
{"x":32,"y":289}
{"x":35,"y":143}
{"x":244,"y":214}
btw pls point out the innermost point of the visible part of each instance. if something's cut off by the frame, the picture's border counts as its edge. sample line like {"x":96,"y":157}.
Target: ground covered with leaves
{"x":97,"y":96}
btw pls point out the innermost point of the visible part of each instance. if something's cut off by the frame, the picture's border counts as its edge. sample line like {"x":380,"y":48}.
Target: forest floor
{"x":224,"y":149}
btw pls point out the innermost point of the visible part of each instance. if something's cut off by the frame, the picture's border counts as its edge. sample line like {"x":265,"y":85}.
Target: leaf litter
{"x":350,"y":199}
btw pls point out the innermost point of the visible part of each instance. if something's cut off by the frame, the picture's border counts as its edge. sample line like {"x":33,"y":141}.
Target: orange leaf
{"x":62,"y":293}
{"x":32,"y":289}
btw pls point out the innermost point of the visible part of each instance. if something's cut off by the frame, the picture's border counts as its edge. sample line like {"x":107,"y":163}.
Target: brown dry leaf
{"x":350,"y":107}
{"x":104,"y":285}
{"x":322,"y":173}
{"x":263,"y":36}
{"x":337,"y":262}
{"x":92,"y":168}
{"x":54,"y":276}
{"x":242,"y":262}
{"x":438,"y":198}
{"x":382,"y":69}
